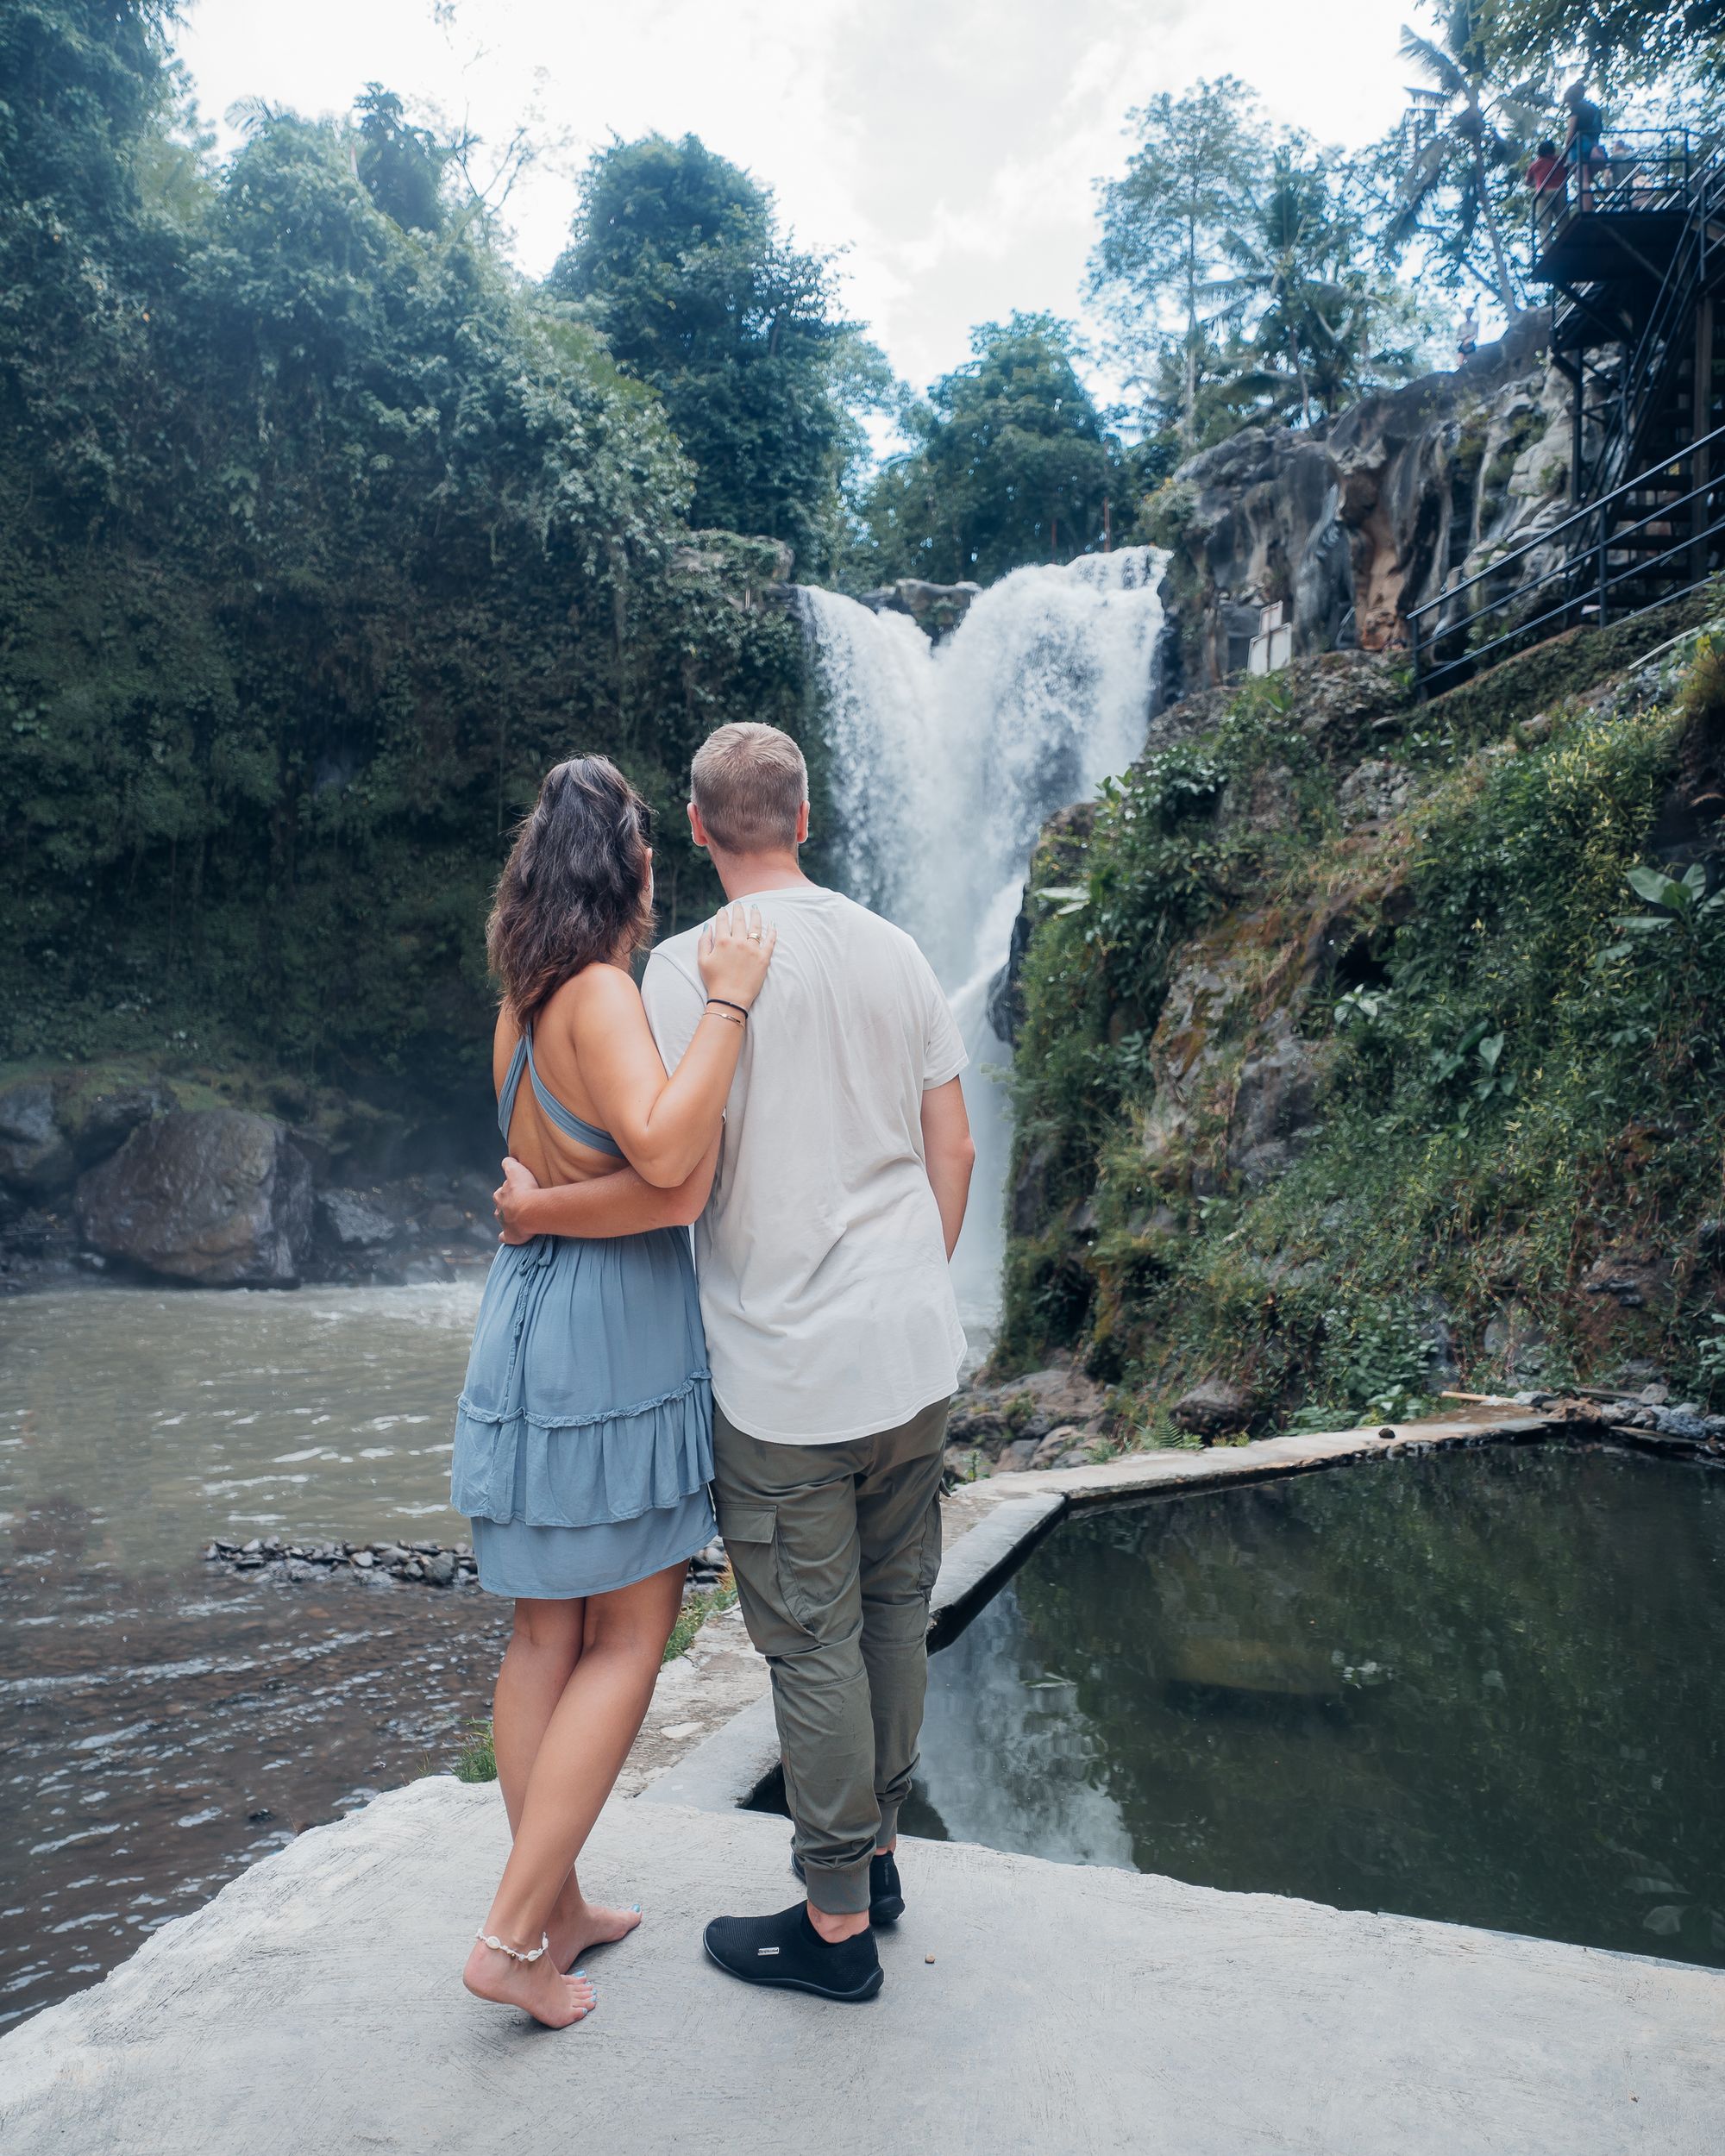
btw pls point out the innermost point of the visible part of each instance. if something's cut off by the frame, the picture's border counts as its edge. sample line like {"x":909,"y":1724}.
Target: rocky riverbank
{"x":1058,"y":1419}
{"x":413,"y":1563}
{"x":137,"y":1176}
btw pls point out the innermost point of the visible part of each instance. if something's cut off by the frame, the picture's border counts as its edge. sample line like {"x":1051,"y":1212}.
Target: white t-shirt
{"x":823,"y":1282}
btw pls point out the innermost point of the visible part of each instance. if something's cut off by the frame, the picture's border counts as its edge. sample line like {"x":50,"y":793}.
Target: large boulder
{"x":1213,"y":1409}
{"x":353,"y":1221}
{"x":51,"y":1127}
{"x":937,"y":609}
{"x":98,"y":1120}
{"x":213,"y":1196}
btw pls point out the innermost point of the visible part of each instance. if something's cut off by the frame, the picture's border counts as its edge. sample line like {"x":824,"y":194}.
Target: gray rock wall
{"x":110,"y":1174}
{"x":1351,"y":523}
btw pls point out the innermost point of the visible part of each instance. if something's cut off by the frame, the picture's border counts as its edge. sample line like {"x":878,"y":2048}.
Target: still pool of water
{"x":162,"y":1725}
{"x":1486,"y":1688}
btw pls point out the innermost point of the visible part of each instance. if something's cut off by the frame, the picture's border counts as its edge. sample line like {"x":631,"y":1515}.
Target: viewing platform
{"x":1619,"y":222}
{"x":1031,"y":2008}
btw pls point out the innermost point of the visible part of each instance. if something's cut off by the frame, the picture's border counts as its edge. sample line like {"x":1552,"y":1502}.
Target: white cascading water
{"x":946,"y":760}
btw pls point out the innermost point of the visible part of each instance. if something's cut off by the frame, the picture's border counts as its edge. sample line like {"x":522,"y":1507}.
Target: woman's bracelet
{"x":725,"y":1003}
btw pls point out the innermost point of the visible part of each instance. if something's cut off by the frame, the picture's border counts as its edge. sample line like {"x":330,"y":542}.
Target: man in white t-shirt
{"x":832,"y":1335}
{"x":834,"y":1342}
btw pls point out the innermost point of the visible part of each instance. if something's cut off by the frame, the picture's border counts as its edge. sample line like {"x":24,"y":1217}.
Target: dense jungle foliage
{"x":1350,"y":1106}
{"x":1012,"y":462}
{"x":677,"y":260}
{"x":321,"y":537}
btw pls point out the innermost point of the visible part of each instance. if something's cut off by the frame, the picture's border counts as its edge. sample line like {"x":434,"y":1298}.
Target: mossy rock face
{"x":1569,"y":665}
{"x":55,"y":1123}
{"x":1308,"y":1108}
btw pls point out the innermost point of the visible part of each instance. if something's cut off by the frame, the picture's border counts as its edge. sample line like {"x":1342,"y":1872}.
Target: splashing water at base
{"x":945,"y":762}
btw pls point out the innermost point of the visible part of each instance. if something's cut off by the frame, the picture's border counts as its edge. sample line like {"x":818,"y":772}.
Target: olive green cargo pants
{"x":835,"y":1548}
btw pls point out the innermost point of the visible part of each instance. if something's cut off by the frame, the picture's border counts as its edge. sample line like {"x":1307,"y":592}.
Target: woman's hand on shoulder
{"x":518,"y":1183}
{"x":735,"y":952}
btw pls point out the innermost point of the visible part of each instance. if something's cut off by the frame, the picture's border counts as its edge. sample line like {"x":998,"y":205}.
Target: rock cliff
{"x":1350,"y":1065}
{"x":1352,"y":523}
{"x":937,"y":609}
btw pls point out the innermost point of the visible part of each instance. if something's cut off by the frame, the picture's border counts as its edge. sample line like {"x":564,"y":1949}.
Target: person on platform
{"x":1583,"y":143}
{"x":584,"y":1433}
{"x":1549,"y":177}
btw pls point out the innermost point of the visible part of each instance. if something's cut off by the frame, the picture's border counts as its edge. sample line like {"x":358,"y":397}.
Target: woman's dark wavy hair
{"x":574,"y":890}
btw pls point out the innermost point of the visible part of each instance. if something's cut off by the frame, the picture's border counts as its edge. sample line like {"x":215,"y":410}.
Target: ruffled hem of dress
{"x":610,"y":1585}
{"x":577,"y":1470}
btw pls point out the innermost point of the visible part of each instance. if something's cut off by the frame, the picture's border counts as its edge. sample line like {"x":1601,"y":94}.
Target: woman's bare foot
{"x":534,"y":1986}
{"x":577,"y":1924}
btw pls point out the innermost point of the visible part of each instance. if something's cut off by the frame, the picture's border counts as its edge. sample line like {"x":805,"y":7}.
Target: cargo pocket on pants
{"x":769,"y":1609}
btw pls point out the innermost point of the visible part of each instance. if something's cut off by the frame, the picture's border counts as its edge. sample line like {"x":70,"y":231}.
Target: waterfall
{"x":946,"y":760}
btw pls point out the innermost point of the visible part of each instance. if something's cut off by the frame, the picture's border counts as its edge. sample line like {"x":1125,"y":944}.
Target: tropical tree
{"x":677,"y":259}
{"x":400,"y":165}
{"x":1310,"y":325}
{"x":1639,"y":40}
{"x":1456,"y":194}
{"x":1165,"y":224}
{"x":321,"y":537}
{"x":1012,"y":463}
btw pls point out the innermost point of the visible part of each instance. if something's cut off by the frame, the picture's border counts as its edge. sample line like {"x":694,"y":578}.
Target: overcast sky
{"x":947,"y":145}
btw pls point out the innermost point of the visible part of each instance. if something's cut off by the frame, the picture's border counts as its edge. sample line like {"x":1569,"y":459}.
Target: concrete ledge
{"x":1029,"y":2006}
{"x":1142,"y":1474}
{"x":729,"y":1768}
{"x":972,"y":1569}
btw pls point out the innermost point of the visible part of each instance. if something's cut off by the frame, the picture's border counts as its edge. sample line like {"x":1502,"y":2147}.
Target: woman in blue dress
{"x":583,"y":1438}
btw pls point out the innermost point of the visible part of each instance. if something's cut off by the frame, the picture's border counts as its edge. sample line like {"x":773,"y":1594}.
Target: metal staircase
{"x":1637,"y":263}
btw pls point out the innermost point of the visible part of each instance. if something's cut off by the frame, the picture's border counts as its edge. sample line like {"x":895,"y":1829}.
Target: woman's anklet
{"x":491,"y":1939}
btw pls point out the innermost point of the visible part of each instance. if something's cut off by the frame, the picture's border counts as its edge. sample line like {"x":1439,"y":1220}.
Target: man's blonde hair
{"x":749,"y":783}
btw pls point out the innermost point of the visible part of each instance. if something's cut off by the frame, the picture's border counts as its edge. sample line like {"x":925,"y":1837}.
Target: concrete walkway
{"x":315,"y":2002}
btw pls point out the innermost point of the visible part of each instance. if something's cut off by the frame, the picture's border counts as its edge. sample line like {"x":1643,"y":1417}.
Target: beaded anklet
{"x":491,"y":1939}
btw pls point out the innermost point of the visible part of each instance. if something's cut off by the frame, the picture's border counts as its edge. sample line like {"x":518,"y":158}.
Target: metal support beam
{"x":1701,"y":428}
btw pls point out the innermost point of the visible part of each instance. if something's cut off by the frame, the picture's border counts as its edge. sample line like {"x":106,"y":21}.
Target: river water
{"x":164,"y":1724}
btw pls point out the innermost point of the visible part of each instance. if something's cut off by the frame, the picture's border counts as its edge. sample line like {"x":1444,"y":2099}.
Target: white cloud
{"x":950,"y":149}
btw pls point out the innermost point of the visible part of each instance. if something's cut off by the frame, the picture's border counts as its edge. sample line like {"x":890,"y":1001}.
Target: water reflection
{"x":1046,"y":1788}
{"x":1485,"y":1688}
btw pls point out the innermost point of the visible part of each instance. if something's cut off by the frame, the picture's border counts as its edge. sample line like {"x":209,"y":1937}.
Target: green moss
{"x":1486,"y":709}
{"x":695,"y":1612}
{"x":1513,"y":1095}
{"x":476,"y":1756}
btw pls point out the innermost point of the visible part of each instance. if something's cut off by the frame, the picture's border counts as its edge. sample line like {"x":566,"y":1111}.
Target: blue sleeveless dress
{"x":584,"y":1433}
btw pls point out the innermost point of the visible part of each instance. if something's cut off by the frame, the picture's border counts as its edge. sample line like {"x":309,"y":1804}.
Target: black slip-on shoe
{"x":787,"y":1952}
{"x":886,"y":1893}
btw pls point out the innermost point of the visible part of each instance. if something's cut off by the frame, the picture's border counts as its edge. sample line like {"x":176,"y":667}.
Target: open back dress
{"x":584,"y":1433}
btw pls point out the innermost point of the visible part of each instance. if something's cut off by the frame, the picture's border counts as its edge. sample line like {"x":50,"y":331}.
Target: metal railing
{"x":1633,"y":170}
{"x":1600,"y":573}
{"x":1696,"y":186}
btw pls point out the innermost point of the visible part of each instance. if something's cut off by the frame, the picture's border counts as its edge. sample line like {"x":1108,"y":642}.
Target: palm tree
{"x":1485,"y":131}
{"x":1312,"y":312}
